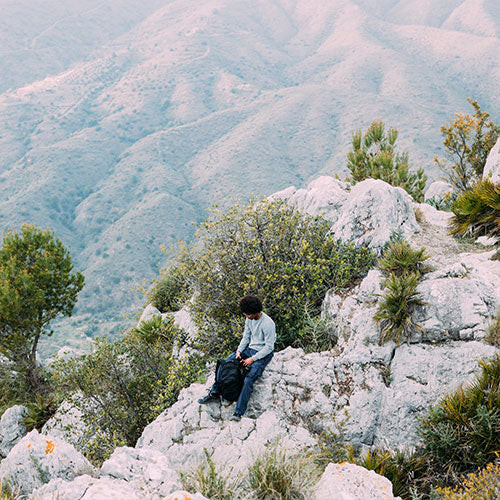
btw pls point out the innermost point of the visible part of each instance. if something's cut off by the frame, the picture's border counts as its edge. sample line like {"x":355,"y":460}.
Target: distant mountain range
{"x":121,"y":121}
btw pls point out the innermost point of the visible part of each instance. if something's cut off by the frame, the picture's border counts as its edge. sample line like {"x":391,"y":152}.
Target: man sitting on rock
{"x":255,"y":351}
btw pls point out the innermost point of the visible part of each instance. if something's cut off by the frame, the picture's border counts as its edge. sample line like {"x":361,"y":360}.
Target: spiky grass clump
{"x":477,"y":211}
{"x":7,"y":493}
{"x":275,"y":475}
{"x":407,"y":470}
{"x":40,"y":410}
{"x":396,"y":307}
{"x":400,"y":258}
{"x":462,"y":432}
{"x":210,"y":481}
{"x":483,"y":485}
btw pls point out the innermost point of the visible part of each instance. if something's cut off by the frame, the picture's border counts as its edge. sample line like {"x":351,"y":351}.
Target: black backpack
{"x":229,"y":377}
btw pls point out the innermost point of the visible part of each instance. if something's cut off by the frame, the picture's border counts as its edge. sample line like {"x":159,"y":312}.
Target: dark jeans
{"x":253,"y":374}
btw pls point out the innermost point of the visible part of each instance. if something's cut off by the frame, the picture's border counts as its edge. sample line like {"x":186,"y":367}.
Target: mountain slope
{"x":168,"y":112}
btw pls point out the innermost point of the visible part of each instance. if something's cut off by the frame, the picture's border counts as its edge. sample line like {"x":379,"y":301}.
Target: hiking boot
{"x":209,"y":398}
{"x":236,"y":417}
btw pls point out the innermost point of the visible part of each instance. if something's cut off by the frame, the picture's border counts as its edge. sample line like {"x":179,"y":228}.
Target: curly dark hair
{"x":250,"y":304}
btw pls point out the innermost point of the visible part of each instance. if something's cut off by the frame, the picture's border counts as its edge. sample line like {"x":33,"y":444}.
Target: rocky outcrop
{"x":437,"y":191}
{"x":12,"y":428}
{"x":129,"y":473}
{"x":351,"y":482}
{"x":458,"y":305}
{"x":372,"y":212}
{"x":492,"y":167}
{"x":67,"y":424}
{"x":324,"y":196}
{"x":37,"y":459}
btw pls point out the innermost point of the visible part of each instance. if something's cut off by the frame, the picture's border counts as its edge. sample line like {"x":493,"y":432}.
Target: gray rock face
{"x":419,"y":375}
{"x":12,"y":429}
{"x":37,"y":459}
{"x":492,"y":168}
{"x":437,"y":191}
{"x":352,"y":482}
{"x":86,"y":487}
{"x":372,"y":211}
{"x":324,"y":196}
{"x":149,"y":467}
{"x":67,"y":424}
{"x":459,"y":303}
{"x":149,"y":312}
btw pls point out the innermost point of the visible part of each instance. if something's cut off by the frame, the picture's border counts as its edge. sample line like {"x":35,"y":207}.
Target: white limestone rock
{"x":434,"y":216}
{"x":458,"y":306}
{"x":420,"y":374}
{"x":492,"y":167}
{"x":37,"y":459}
{"x":86,"y":487}
{"x":284,"y":194}
{"x":149,"y":312}
{"x":184,"y":320}
{"x":324,"y":196}
{"x":67,"y":424}
{"x":145,"y":465}
{"x":184,"y":495}
{"x":372,"y":211}
{"x":437,"y":191}
{"x":487,"y":241}
{"x":352,"y":482}
{"x":12,"y":429}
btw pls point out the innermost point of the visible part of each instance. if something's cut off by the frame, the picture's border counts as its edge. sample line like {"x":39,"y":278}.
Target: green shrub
{"x":399,"y":259}
{"x":493,"y":332}
{"x":271,"y":250}
{"x":483,"y":485}
{"x":127,"y":383}
{"x":39,"y":411}
{"x":467,"y":141}
{"x":477,"y":211}
{"x":462,"y":432}
{"x":408,"y":470}
{"x":319,"y":333}
{"x":169,"y":292}
{"x":211,"y":481}
{"x":373,"y":155}
{"x":444,"y":203}
{"x":274,"y":475}
{"x":396,"y":306}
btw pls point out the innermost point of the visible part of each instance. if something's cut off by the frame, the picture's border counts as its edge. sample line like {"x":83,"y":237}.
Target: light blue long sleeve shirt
{"x":259,"y":334}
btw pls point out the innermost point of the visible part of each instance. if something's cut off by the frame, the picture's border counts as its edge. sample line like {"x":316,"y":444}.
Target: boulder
{"x":38,"y":458}
{"x":149,"y":312}
{"x":145,"y":465}
{"x":437,"y":191}
{"x":372,"y":212}
{"x":434,"y":216}
{"x":68,"y":425}
{"x":492,"y":167}
{"x":458,"y":305}
{"x":352,"y":482}
{"x":324,"y":196}
{"x":12,"y":428}
{"x":86,"y":487}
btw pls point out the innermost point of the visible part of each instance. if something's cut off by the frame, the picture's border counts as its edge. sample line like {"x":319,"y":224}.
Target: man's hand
{"x":238,"y":355}
{"x":247,"y":362}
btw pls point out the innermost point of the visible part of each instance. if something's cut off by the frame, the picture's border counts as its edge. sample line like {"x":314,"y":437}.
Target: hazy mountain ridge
{"x":194,"y":104}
